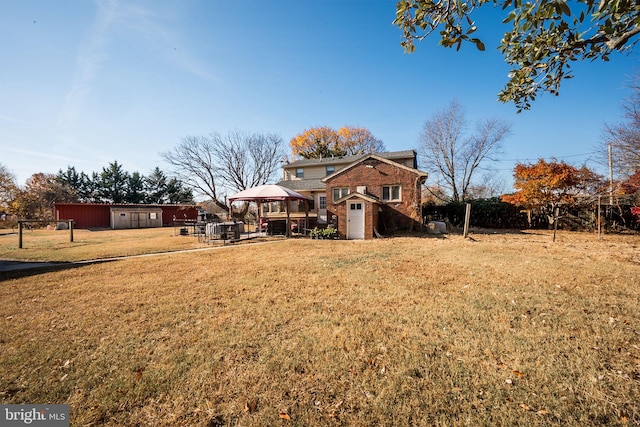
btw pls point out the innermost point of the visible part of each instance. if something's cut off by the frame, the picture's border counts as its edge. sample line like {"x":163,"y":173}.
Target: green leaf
{"x":509,"y":17}
{"x":479,"y":45}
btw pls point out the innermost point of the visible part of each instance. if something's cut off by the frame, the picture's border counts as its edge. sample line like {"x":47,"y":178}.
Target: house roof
{"x":304,"y":184}
{"x":267,"y":192}
{"x":118,"y":205}
{"x":391,"y":155}
{"x":367,"y":197}
{"x":376,"y":157}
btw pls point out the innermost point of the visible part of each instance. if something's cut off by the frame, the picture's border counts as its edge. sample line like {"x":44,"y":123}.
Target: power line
{"x":547,"y":158}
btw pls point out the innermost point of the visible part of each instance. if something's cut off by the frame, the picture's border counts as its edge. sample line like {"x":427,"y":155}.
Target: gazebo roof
{"x":266,"y":193}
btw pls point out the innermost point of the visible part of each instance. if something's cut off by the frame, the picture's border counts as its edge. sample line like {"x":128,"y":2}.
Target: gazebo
{"x":271,"y":193}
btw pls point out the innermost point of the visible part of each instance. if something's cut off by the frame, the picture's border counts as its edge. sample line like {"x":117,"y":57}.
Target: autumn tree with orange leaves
{"x":324,"y":141}
{"x":636,"y":211}
{"x":632,"y":186}
{"x":36,"y":200}
{"x":549,"y":186}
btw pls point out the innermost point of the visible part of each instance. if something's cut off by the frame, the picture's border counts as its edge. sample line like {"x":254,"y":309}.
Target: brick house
{"x":394,"y":203}
{"x":305,"y":176}
{"x":374,"y":195}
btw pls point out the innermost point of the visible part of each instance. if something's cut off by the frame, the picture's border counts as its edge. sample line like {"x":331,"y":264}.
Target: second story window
{"x":330,"y":169}
{"x":391,"y":193}
{"x":300,"y":173}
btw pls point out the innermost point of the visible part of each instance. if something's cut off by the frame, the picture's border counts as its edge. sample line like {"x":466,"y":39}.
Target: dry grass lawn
{"x":55,"y":245}
{"x":509,"y":329}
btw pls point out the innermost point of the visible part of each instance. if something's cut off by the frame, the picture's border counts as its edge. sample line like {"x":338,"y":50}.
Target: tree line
{"x":115,"y":185}
{"x":112,"y":185}
{"x":540,"y":43}
{"x":216,"y":165}
{"x":450,"y":149}
{"x":210,"y":167}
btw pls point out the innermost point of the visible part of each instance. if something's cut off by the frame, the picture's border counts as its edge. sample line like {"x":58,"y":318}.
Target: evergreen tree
{"x":177,"y":193}
{"x":113,"y":183}
{"x":156,"y":186}
{"x":136,"y":188}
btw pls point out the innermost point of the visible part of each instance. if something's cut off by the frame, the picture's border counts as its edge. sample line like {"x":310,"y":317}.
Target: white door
{"x":355,"y":220}
{"x":322,"y":208}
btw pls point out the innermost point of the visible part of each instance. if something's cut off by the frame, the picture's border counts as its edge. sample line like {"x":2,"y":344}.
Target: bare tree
{"x":215,"y":165}
{"x":452,"y":155}
{"x":489,"y":185}
{"x":624,"y":137}
{"x":359,"y":140}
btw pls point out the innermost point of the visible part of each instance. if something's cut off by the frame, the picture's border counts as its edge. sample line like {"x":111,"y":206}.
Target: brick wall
{"x":374,"y":174}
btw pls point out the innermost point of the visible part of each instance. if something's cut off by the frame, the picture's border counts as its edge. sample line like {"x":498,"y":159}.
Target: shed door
{"x":355,"y":220}
{"x":135,"y":220}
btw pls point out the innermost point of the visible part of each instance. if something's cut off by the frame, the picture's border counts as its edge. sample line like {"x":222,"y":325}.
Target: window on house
{"x":300,"y":173}
{"x":330,"y":169}
{"x":340,"y":192}
{"x":153,"y":215}
{"x":391,"y":193}
{"x":322,"y":202}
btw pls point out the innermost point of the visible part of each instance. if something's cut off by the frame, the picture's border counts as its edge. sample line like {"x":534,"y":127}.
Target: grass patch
{"x":54,"y":245}
{"x":506,"y":330}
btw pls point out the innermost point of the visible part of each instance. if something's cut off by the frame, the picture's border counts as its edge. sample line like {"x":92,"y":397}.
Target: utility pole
{"x":599,"y":222}
{"x":610,"y":176}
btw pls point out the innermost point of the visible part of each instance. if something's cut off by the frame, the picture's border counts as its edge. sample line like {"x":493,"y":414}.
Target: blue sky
{"x":84,"y":82}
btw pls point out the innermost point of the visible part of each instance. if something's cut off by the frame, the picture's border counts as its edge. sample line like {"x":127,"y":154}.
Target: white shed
{"x":136,"y":217}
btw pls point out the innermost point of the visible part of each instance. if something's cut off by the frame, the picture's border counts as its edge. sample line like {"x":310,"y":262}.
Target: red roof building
{"x":100,"y":215}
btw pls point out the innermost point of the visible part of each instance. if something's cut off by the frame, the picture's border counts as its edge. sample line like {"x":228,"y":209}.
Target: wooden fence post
{"x":21,"y":223}
{"x":467,"y":217}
